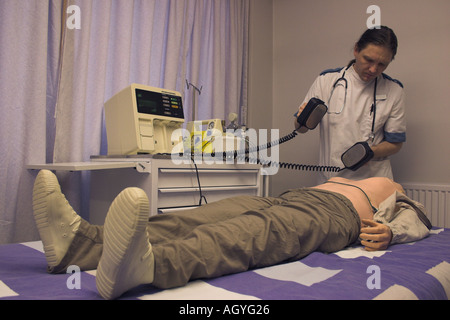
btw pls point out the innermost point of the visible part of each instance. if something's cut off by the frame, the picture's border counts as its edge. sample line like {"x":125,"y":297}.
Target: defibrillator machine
{"x":141,"y":119}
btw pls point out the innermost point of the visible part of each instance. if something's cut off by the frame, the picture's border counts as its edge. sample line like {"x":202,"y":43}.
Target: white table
{"x":168,"y":185}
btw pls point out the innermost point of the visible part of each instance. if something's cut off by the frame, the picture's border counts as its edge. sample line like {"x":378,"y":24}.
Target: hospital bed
{"x":419,"y":270}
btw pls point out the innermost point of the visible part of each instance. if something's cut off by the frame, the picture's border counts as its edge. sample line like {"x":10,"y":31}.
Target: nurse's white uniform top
{"x":338,"y":132}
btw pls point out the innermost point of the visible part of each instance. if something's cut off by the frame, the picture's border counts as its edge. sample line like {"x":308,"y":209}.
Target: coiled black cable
{"x":238,"y":153}
{"x":242,"y":155}
{"x":271,"y":144}
{"x":287,"y":165}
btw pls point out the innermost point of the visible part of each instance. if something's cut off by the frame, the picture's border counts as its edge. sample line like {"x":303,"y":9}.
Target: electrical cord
{"x":242,"y":155}
{"x":202,"y":197}
{"x":293,"y":166}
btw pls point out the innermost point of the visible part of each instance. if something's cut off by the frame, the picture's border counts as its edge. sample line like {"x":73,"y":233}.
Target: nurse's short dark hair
{"x":384,"y":36}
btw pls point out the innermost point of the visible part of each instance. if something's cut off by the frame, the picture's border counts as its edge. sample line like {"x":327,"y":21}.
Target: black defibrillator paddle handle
{"x":312,"y":114}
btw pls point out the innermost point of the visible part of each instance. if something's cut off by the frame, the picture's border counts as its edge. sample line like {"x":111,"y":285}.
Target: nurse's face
{"x":371,"y":61}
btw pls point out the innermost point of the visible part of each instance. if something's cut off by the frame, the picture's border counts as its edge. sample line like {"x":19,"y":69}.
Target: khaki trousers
{"x":233,"y":235}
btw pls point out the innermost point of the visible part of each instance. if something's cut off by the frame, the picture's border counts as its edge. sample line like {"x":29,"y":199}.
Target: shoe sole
{"x":45,"y":183}
{"x":122,"y":229}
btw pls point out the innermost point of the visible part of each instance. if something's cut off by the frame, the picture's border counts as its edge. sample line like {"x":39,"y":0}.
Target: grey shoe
{"x":127,"y":259}
{"x":56,"y":220}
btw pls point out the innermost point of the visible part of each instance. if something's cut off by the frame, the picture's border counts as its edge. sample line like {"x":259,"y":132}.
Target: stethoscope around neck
{"x":373,"y":108}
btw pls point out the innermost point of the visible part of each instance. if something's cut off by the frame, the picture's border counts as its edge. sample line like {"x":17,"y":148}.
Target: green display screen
{"x":158,"y":103}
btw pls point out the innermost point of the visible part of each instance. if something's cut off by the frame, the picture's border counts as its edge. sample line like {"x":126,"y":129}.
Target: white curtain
{"x":161,"y":43}
{"x":23,"y":95}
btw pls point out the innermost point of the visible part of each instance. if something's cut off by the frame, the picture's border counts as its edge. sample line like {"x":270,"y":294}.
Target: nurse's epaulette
{"x":385,"y":76}
{"x":331,"y":71}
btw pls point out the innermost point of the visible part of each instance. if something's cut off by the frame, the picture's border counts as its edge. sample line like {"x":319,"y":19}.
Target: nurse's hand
{"x":296,"y":124}
{"x":374,"y":235}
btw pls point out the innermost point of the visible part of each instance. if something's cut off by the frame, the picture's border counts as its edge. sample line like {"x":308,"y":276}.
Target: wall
{"x":260,"y":82}
{"x":310,"y":36}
